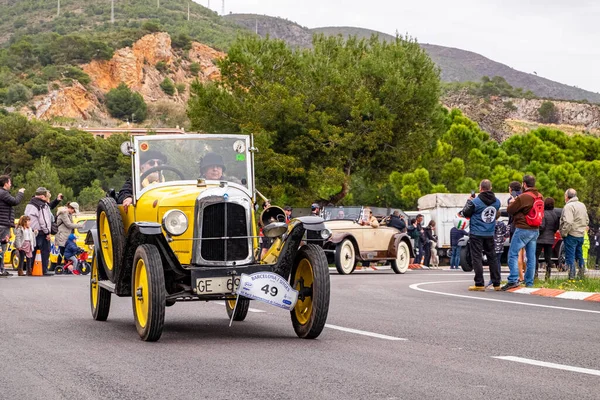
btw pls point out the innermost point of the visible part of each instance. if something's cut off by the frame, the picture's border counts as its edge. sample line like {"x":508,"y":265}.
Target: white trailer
{"x":443,"y":209}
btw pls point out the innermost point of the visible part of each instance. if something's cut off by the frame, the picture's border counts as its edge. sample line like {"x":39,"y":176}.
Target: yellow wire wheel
{"x":14,"y":259}
{"x":310,"y":277}
{"x":99,"y":297}
{"x":111,"y":236}
{"x":148,"y":293}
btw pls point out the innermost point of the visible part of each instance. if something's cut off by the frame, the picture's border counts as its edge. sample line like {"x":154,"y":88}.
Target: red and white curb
{"x":558,"y":293}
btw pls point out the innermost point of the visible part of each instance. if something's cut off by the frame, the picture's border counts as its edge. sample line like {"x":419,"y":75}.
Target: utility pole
{"x":58,"y":9}
{"x":188,"y":10}
{"x":256,"y":26}
{"x":223,"y":8}
{"x":209,"y":4}
{"x":112,"y":12}
{"x":157,"y":3}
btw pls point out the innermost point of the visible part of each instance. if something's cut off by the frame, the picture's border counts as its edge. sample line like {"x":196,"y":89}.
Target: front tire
{"x":400,"y":264}
{"x":112,"y":236}
{"x":345,"y":257}
{"x":241,"y":311}
{"x":148,"y":293}
{"x":310,"y":277}
{"x":99,"y":297}
{"x":465,"y":259}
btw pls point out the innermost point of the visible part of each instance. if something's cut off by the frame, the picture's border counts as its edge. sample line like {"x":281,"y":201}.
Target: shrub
{"x":3,"y":95}
{"x":510,"y":105}
{"x":168,"y":87}
{"x":39,"y":89}
{"x":547,"y":113}
{"x":17,"y":92}
{"x":124,"y":104}
{"x":180,"y":88}
{"x":161,"y":66}
{"x":182,"y":41}
{"x":151,"y":26}
{"x":77,"y":74}
{"x":195,"y":68}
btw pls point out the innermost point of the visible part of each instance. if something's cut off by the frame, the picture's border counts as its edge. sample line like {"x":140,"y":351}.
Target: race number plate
{"x":216,"y":285}
{"x":269,"y":288}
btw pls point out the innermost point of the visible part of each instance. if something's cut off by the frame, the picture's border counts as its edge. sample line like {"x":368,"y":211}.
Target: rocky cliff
{"x":502,"y":116}
{"x":136,"y":66}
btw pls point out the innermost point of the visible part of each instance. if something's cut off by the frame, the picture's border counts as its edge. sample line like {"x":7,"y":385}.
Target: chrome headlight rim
{"x":169,"y":216}
{"x":325,"y":234}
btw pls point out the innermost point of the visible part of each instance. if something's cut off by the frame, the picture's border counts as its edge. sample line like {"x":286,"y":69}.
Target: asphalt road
{"x":52,"y":349}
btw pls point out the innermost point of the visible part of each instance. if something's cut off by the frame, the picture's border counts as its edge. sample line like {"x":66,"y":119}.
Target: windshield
{"x":87,"y":225}
{"x":215,"y":158}
{"x":339,"y":213}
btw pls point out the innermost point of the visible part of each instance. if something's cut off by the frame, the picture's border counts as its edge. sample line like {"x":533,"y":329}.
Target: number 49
{"x":272,"y":290}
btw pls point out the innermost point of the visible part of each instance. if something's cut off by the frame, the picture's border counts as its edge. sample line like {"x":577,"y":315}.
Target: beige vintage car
{"x":351,"y":242}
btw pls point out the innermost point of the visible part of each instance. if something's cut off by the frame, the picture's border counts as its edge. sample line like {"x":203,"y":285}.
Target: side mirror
{"x":126,"y":148}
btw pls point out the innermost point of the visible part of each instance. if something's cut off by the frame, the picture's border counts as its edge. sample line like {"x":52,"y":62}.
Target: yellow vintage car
{"x":190,"y":235}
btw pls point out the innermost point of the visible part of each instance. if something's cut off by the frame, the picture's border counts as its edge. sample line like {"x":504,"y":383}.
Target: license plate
{"x":216,"y":285}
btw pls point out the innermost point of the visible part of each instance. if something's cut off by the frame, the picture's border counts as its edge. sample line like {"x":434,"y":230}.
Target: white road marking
{"x":222,"y":303}
{"x":415,"y":286}
{"x":365,"y":333}
{"x":550,"y":365}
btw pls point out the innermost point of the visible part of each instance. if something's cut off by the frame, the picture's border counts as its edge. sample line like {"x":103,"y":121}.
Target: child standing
{"x":501,"y":232}
{"x":24,"y":238}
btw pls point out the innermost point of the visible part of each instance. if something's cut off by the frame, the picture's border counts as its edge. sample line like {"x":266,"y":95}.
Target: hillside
{"x":456,"y":65}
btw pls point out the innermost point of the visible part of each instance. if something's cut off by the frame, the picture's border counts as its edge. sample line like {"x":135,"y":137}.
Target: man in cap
{"x":38,"y":211}
{"x":288,"y":214}
{"x":148,"y":159}
{"x":314,"y":209}
{"x":212,"y":166}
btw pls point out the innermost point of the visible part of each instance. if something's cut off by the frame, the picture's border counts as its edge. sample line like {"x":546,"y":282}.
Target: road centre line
{"x":415,"y":286}
{"x":550,"y":365}
{"x":222,"y":303}
{"x":365,"y":333}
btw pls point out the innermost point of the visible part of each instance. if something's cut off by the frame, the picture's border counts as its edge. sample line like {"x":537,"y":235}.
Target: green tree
{"x":88,"y":198}
{"x":194,"y":68}
{"x":17,"y":93}
{"x":167,"y":86}
{"x":125,"y":104}
{"x":547,"y":113}
{"x":356,"y":106}
{"x":44,"y":174}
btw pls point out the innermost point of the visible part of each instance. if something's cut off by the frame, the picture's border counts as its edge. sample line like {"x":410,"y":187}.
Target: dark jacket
{"x":549,"y":227}
{"x":71,"y":249}
{"x":397,"y":222}
{"x":7,"y":202}
{"x":520,"y":207}
{"x":428,"y":235}
{"x":482,"y":211}
{"x":455,"y":235}
{"x":126,"y":191}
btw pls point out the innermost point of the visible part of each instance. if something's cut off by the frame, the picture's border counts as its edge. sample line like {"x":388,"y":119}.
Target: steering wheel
{"x":161,"y":168}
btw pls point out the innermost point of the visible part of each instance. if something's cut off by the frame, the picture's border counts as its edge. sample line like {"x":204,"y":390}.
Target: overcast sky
{"x":558,"y":39}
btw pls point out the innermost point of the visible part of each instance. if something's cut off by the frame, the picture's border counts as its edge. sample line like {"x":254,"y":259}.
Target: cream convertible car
{"x":351,"y":242}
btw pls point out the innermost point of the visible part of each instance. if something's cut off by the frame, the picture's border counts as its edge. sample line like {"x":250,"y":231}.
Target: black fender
{"x":140,"y":233}
{"x":291,"y":244}
{"x":92,"y":239}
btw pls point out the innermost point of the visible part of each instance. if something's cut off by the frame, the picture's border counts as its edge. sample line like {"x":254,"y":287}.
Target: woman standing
{"x":64,"y":220}
{"x":430,"y":238}
{"x":545,"y":241}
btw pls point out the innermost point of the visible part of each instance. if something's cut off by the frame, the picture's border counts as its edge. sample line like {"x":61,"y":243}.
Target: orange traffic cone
{"x":37,"y":265}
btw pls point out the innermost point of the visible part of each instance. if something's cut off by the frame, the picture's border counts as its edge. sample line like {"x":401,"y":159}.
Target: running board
{"x":108,"y":285}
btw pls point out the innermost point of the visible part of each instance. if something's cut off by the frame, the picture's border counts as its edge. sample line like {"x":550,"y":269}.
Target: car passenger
{"x":369,"y":219}
{"x":148,"y":159}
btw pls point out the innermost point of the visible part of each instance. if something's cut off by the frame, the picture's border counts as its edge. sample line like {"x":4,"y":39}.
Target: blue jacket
{"x":71,"y":249}
{"x":482,"y":210}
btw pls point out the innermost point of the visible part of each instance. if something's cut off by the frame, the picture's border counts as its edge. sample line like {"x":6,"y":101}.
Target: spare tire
{"x":111,"y":235}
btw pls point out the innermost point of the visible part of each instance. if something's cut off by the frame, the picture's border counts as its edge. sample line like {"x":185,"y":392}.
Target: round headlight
{"x":325,"y":234}
{"x":175,"y":222}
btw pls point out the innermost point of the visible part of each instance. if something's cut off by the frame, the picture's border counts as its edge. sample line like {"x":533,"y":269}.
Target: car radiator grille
{"x":224,"y":220}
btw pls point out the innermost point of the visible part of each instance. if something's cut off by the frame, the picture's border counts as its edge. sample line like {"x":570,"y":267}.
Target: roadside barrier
{"x":37,"y":265}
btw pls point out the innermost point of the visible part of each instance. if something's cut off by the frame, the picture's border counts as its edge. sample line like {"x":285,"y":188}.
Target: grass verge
{"x":577,"y":285}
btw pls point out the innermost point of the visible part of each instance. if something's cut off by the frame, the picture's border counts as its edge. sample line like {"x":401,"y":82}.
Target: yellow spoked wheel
{"x":310,"y":277}
{"x":99,"y":297}
{"x":111,"y":235}
{"x":148,"y":294}
{"x":402,"y":260}
{"x":241,"y":311}
{"x":14,"y":259}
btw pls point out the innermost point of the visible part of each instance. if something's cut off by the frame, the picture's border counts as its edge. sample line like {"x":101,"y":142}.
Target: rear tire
{"x":148,"y":293}
{"x":345,"y":257}
{"x":241,"y":311}
{"x":310,"y":276}
{"x":465,"y":259}
{"x":99,"y":297}
{"x":111,"y":234}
